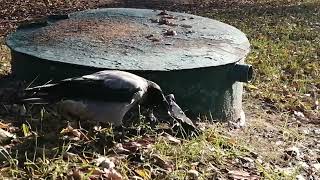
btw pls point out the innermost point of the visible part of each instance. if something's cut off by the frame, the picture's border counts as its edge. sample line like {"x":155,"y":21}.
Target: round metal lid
{"x":132,"y":39}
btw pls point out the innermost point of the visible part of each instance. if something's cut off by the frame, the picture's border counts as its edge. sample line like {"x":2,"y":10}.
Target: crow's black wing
{"x":84,"y":88}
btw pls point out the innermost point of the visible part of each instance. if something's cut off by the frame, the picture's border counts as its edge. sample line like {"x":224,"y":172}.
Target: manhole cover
{"x":132,"y":39}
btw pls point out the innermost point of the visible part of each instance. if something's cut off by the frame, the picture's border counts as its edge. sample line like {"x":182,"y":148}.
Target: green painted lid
{"x":132,"y":39}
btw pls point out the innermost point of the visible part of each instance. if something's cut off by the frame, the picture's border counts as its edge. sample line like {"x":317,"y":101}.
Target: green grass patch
{"x":285,"y":43}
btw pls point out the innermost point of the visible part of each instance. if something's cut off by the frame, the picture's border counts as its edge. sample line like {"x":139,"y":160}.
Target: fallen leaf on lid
{"x":163,"y":13}
{"x":170,"y":33}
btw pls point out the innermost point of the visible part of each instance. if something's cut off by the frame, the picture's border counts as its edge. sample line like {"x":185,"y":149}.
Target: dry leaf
{"x":144,"y":173}
{"x":112,"y":174}
{"x":96,"y":174}
{"x":194,"y":174}
{"x":6,"y":136}
{"x":157,"y":160}
{"x":232,"y":141}
{"x":242,"y":175}
{"x":118,"y":148}
{"x":74,"y":134}
{"x":69,"y":156}
{"x":146,"y":141}
{"x":66,"y":130}
{"x":75,"y":174}
{"x":136,"y":178}
{"x":172,"y":139}
{"x":134,"y":146}
{"x":104,"y":162}
{"x":97,"y":171}
{"x":252,"y":87}
{"x":5,"y":126}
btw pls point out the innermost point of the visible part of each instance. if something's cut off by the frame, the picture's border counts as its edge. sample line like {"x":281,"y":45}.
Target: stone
{"x":305,"y":131}
{"x":300,"y":177}
{"x":288,"y":171}
{"x":279,"y":143}
{"x":303,"y":164}
{"x":298,"y":114}
{"x":316,"y":131}
{"x":193,"y":174}
{"x":316,"y":166}
{"x":293,"y":152}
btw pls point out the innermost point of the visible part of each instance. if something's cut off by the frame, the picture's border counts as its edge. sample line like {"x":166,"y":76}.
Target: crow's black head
{"x":155,"y":96}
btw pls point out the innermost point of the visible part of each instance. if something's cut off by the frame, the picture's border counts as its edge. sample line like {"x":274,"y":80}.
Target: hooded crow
{"x":104,"y":96}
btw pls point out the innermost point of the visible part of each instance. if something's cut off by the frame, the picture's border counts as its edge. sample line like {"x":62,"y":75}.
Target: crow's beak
{"x":167,"y":106}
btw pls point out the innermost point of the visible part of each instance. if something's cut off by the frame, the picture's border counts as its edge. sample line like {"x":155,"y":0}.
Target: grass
{"x":212,"y":154}
{"x":285,"y":44}
{"x":210,"y":148}
{"x":285,"y":50}
{"x":4,"y":59}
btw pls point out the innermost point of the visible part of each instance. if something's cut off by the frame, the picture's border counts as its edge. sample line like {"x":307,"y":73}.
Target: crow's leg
{"x":120,"y":132}
{"x":151,"y":118}
{"x":123,"y":133}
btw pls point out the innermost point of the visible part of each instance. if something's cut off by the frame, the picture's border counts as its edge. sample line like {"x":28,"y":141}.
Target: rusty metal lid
{"x":132,"y":39}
